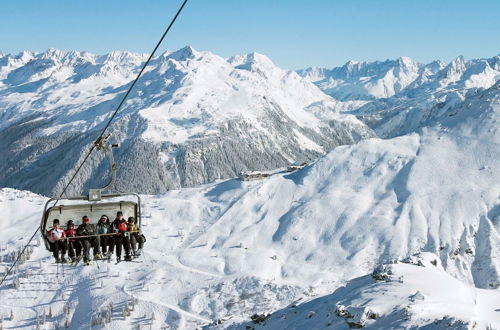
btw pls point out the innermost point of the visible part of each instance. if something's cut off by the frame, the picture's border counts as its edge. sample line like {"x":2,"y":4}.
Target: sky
{"x":294,"y":34}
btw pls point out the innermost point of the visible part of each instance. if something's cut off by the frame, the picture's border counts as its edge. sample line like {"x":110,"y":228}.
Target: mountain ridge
{"x":201,"y":117}
{"x":397,"y":97}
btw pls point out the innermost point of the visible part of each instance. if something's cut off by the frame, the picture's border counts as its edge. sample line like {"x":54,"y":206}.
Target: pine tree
{"x":37,"y":321}
{"x":17,"y":283}
{"x":67,"y":308}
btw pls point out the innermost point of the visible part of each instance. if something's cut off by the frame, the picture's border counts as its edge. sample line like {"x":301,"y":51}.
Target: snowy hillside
{"x":412,"y":293}
{"x":222,"y":252}
{"x":394,"y":296}
{"x":201,"y":118}
{"x":398,"y":97}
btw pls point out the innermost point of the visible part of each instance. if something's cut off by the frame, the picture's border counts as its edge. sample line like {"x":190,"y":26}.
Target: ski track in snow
{"x":174,"y":308}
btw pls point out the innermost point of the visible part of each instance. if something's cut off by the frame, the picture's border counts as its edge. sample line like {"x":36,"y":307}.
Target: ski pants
{"x":59,"y":245}
{"x":87,"y":243}
{"x":74,"y":246}
{"x":135,"y":239}
{"x":105,"y":242}
{"x":122,"y":241}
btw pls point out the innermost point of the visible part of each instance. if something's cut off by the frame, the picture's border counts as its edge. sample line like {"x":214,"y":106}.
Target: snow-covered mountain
{"x":192,"y":118}
{"x":219,"y":253}
{"x":397,"y":97}
{"x":367,"y":81}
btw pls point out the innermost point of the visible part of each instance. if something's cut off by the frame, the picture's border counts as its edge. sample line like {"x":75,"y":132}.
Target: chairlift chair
{"x":94,"y":205}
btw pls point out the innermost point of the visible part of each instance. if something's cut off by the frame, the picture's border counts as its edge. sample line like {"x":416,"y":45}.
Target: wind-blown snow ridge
{"x":193,"y":117}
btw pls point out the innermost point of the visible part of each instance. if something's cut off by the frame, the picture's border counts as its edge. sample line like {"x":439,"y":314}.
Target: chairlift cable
{"x":94,"y":145}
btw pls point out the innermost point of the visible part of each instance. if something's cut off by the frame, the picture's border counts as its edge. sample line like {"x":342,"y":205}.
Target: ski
{"x":76,"y":261}
{"x":136,"y":261}
{"x":103,"y":259}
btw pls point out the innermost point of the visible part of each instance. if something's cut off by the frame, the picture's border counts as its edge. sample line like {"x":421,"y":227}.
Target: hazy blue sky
{"x":294,"y":34}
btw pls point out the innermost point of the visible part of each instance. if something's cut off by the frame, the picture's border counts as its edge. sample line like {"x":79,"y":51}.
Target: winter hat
{"x":56,"y":221}
{"x":104,"y":216}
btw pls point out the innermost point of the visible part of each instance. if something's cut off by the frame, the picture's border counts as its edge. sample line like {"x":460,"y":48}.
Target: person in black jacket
{"x":120,"y":227}
{"x":87,"y":229}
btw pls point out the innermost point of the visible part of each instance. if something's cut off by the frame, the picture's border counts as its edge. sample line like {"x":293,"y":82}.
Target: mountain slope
{"x":408,"y":294}
{"x":193,"y":117}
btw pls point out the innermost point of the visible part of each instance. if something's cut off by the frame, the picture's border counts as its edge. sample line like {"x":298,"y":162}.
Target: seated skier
{"x":135,"y":237}
{"x":57,"y":241}
{"x":121,"y":239}
{"x":73,"y":244}
{"x":87,"y":230}
{"x":103,"y":228}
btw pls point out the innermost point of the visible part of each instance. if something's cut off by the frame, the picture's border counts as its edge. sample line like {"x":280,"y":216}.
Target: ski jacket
{"x":71,"y":232}
{"x":119,"y":226}
{"x":85,"y":229}
{"x":132,"y":227}
{"x":104,"y":228}
{"x":56,"y":234}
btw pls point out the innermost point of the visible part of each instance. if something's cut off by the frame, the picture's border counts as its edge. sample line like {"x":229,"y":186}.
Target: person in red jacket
{"x":57,"y":241}
{"x":73,"y":243}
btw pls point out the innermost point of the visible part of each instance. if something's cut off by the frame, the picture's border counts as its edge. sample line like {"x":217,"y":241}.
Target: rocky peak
{"x":184,"y":54}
